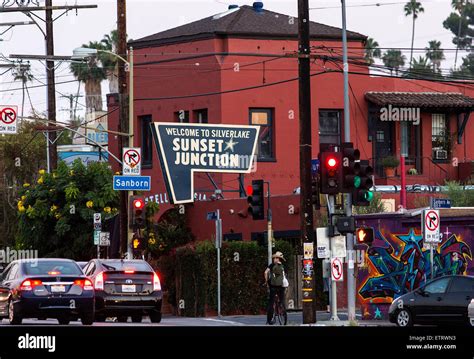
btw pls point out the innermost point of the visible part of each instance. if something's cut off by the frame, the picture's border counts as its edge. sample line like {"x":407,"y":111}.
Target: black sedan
{"x":444,"y":300}
{"x":125,"y":288}
{"x":46,"y":288}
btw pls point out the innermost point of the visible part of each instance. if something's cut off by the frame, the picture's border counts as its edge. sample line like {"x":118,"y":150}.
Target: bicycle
{"x":279,"y":311}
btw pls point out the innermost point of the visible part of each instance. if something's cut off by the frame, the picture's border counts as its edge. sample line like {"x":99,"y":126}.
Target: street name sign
{"x":132,"y":161}
{"x":132,"y":183}
{"x":437,"y":203}
{"x":186,"y":148}
{"x":8,"y":119}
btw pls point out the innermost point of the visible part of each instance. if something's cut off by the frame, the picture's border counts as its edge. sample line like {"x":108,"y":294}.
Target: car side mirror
{"x":421,"y":292}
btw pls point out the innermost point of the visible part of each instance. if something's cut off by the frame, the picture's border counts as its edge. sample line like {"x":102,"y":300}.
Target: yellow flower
{"x":26,"y":185}
{"x":152,"y":241}
{"x":40,"y":180}
{"x":71,"y":173}
{"x":107,"y":209}
{"x":53,"y":208}
{"x":21,"y":209}
{"x":89,"y":204}
{"x":41,"y":172}
{"x":20,"y":203}
{"x":23,"y":198}
{"x":114,"y":210}
{"x":57,"y":216}
{"x":55,"y":175}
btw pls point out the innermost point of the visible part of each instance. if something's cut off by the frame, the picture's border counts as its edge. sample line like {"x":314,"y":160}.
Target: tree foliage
{"x":55,"y":213}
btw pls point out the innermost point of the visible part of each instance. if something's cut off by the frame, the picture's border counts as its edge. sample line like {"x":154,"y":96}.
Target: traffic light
{"x":350,"y":167}
{"x":331,"y":173}
{"x":365,"y":235}
{"x":362,"y":194}
{"x":138,"y":243}
{"x":137,"y":212}
{"x":256,"y":200}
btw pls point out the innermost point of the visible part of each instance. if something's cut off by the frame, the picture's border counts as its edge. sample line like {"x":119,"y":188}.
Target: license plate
{"x":129,"y":288}
{"x":58,"y":289}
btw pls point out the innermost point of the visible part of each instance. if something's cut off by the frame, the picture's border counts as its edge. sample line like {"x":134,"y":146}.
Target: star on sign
{"x":229,"y":145}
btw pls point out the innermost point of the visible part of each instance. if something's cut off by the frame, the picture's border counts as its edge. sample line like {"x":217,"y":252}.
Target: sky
{"x":386,"y":23}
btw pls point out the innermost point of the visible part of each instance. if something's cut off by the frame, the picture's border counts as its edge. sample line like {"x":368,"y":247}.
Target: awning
{"x":434,"y":101}
{"x":424,"y":100}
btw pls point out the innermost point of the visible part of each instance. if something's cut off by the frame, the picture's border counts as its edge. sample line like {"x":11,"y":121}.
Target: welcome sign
{"x":186,"y":148}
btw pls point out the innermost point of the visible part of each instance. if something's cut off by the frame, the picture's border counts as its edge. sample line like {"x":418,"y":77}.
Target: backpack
{"x":277,"y":275}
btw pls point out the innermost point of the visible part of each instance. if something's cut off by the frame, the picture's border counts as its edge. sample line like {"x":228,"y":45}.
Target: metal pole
{"x":269,"y":227}
{"x":218,"y":247}
{"x":347,"y":138}
{"x":403,"y":189}
{"x":130,"y":131}
{"x":51,"y":88}
{"x":48,"y":167}
{"x":305,"y":150}
{"x":123,"y":116}
{"x":432,"y":259}
{"x":333,"y":297}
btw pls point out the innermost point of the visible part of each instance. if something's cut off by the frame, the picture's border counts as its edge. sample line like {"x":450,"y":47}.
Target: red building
{"x":239,"y":68}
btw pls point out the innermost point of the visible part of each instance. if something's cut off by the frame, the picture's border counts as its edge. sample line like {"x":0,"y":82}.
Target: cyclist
{"x":275,"y":278}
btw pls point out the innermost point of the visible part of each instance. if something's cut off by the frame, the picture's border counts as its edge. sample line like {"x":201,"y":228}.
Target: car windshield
{"x":127,"y":265}
{"x":51,"y":268}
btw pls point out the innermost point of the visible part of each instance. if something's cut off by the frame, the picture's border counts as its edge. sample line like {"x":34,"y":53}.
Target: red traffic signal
{"x":331,"y":162}
{"x":365,"y":235}
{"x":137,"y":212}
{"x":138,"y":203}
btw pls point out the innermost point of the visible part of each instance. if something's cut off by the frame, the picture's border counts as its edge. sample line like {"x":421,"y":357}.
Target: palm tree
{"x":92,"y":75}
{"x":110,"y":62}
{"x":372,"y":50}
{"x":458,"y":5}
{"x":413,"y":8}
{"x":22,"y":72}
{"x":421,"y":68}
{"x":393,"y":59}
{"x":435,"y":54}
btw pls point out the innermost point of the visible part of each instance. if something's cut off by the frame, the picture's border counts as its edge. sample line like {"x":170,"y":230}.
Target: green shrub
{"x":190,"y":277}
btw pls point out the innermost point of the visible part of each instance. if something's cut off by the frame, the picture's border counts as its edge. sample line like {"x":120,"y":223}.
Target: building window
{"x":200,"y":116}
{"x":146,"y":141}
{"x":263,"y":117}
{"x":181,"y":116}
{"x":330,"y":127}
{"x":439,"y":136}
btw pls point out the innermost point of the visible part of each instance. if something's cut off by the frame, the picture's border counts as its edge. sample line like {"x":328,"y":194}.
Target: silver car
{"x":470,"y":312}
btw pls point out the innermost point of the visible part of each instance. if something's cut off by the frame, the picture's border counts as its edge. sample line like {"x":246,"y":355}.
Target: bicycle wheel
{"x":282,"y":316}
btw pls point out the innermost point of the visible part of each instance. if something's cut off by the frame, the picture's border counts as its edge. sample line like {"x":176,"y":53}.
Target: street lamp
{"x":84,"y":53}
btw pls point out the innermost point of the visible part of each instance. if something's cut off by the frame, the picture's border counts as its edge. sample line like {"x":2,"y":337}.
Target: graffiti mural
{"x":399,"y":264}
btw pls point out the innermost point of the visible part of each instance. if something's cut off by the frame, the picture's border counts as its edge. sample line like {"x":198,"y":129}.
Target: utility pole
{"x":25,"y":8}
{"x":306,"y":212}
{"x":123,"y":126}
{"x":347,"y":138}
{"x":72,"y":106}
{"x":51,"y":88}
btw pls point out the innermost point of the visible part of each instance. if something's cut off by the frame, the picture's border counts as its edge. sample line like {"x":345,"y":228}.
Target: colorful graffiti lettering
{"x":401,"y":264}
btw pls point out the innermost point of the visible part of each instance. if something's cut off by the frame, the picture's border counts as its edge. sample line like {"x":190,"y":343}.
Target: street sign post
{"x":132,"y":183}
{"x":337,"y":272}
{"x":97,"y":221}
{"x":431,"y":227}
{"x":216,"y":216}
{"x":132,"y":159}
{"x":96,"y":238}
{"x":437,"y":203}
{"x":430,"y":223}
{"x":8,"y":119}
{"x":104,"y":239}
